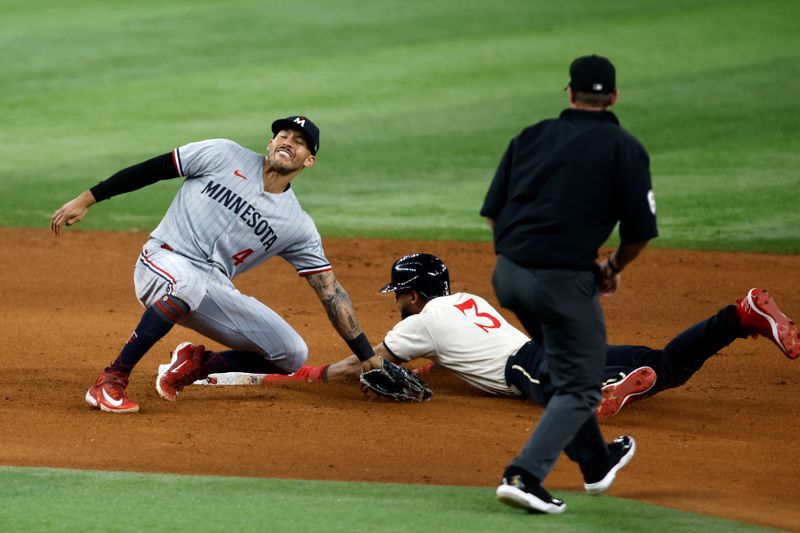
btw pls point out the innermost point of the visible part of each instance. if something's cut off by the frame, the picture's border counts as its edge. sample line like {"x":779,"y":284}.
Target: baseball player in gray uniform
{"x":234,"y":210}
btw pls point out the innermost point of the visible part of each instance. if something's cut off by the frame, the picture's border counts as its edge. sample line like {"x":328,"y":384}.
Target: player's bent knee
{"x":297,"y":357}
{"x":288,"y":355}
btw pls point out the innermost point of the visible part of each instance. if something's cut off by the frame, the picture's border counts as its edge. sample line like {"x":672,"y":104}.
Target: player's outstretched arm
{"x":345,"y":371}
{"x":129,"y":179}
{"x":342,"y":315}
{"x":71,"y":212}
{"x":349,"y":368}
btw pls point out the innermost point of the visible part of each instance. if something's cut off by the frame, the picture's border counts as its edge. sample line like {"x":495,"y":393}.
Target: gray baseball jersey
{"x":463,"y":333}
{"x":222,"y":223}
{"x":222,"y":215}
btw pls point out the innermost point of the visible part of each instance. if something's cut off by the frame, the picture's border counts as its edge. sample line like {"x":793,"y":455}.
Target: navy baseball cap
{"x":592,"y":74}
{"x":298,"y":122}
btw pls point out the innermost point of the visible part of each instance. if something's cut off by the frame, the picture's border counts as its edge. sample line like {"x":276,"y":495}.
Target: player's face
{"x":289,"y":152}
{"x":407,"y":303}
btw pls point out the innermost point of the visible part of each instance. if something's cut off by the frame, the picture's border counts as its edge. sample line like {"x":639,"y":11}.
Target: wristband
{"x":361,"y":347}
{"x":612,"y":266}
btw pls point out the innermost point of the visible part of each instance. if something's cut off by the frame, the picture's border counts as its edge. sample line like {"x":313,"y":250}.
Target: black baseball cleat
{"x":621,"y":452}
{"x":532,"y":496}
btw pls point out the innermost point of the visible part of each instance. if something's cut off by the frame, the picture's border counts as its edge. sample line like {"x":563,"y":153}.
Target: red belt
{"x":167,"y":247}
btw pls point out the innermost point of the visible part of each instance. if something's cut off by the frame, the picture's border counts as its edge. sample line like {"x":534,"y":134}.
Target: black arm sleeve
{"x":159,"y":168}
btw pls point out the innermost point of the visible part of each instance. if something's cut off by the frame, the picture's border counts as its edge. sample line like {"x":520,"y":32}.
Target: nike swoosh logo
{"x":175,"y":370}
{"x":112,"y":401}
{"x":239,"y":174}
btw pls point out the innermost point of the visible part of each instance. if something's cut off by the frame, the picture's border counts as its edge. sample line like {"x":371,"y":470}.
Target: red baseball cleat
{"x":108,"y":394}
{"x":182,"y":371}
{"x":760,"y":315}
{"x":617,"y":394}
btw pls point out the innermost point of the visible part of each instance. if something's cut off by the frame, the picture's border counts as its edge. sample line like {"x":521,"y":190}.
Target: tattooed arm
{"x":337,"y":304}
{"x":340,"y":311}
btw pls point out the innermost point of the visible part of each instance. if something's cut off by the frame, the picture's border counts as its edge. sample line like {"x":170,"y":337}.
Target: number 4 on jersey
{"x":470,"y":305}
{"x":239,"y":257}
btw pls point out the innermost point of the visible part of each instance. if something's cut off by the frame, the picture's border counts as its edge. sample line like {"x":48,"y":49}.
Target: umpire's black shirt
{"x":561,"y":187}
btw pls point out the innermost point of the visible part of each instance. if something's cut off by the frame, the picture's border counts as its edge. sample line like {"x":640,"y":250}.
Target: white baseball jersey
{"x":463,"y":333}
{"x":220,"y":224}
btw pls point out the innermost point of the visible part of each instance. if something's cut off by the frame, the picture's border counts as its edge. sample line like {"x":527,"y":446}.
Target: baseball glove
{"x":394,"y":382}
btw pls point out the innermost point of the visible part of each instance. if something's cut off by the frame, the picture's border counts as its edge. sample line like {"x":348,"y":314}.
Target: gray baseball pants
{"x":561,"y":310}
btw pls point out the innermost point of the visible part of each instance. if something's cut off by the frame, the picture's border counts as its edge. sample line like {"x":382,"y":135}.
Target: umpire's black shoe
{"x":522,"y":490}
{"x":621,"y":452}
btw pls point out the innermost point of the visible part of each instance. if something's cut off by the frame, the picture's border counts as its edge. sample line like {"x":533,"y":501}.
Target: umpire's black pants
{"x":561,"y":310}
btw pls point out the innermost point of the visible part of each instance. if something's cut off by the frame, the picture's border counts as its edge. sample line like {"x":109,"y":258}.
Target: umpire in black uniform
{"x":560,"y":189}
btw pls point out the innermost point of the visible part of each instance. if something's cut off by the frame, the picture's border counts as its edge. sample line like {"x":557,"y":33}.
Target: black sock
{"x":240,"y":361}
{"x":156,"y":322}
{"x":529,"y":479}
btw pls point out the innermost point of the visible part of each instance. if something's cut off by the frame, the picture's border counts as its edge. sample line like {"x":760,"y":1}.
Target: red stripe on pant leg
{"x":164,"y":310}
{"x":176,"y":307}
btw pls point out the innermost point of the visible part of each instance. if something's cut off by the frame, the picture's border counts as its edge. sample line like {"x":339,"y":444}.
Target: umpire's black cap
{"x":592,"y":74}
{"x":424,"y":273}
{"x":304,"y":124}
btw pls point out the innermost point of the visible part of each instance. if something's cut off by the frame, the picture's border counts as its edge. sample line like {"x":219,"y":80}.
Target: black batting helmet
{"x":424,"y":273}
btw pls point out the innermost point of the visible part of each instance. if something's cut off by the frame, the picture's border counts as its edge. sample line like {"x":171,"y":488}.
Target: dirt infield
{"x":725,"y":444}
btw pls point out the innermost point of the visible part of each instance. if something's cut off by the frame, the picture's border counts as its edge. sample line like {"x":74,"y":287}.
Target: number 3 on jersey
{"x":470,"y":305}
{"x":239,"y":257}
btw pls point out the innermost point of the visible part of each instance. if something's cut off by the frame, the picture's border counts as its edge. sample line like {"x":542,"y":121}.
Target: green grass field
{"x":416,"y":101}
{"x":155,"y":502}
